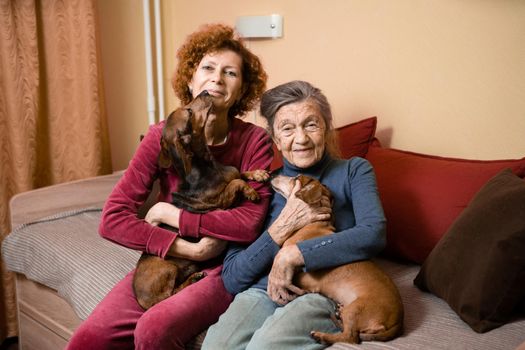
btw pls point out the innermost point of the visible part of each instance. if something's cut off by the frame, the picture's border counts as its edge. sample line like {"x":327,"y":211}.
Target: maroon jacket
{"x":248,"y":147}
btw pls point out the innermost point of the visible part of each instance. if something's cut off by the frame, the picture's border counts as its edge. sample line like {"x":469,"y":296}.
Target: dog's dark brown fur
{"x":370,"y":307}
{"x":205,"y":185}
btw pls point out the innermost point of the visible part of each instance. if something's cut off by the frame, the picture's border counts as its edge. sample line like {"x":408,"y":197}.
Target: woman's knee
{"x":289,"y":327}
{"x":156,"y":331}
{"x":236,"y":326}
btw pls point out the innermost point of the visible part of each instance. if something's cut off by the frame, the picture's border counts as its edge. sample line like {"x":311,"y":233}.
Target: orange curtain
{"x":52,"y":116}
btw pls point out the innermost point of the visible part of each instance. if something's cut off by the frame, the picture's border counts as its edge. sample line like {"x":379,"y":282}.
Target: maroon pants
{"x":118,"y":322}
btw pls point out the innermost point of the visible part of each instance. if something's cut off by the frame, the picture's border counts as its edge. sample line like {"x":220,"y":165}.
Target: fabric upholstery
{"x":478,"y":267}
{"x":422,"y":195}
{"x":429,"y":322}
{"x":56,"y":251}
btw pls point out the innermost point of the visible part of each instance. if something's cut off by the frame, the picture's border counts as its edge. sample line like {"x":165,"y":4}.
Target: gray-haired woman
{"x":269,"y":312}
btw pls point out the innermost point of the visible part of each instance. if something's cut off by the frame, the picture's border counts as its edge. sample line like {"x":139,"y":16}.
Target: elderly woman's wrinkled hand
{"x":297,"y":214}
{"x":280,"y":281}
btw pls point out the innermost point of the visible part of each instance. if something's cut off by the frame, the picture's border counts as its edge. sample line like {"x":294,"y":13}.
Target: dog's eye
{"x":190,"y":112}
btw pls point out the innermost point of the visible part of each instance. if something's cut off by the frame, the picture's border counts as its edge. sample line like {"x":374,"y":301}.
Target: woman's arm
{"x":206,"y":248}
{"x":119,"y":222}
{"x":243,"y":266}
{"x":359,"y":242}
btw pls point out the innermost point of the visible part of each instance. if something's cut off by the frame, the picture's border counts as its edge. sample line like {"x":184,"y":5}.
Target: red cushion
{"x":422,"y":195}
{"x":354,"y":140}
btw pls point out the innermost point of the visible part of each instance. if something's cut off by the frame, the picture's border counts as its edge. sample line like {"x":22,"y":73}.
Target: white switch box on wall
{"x":270,"y":26}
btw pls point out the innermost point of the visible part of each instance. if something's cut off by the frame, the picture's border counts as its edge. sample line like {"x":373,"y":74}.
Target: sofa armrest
{"x":35,"y":204}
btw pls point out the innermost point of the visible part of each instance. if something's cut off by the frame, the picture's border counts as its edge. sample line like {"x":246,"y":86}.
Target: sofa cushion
{"x":66,"y":253}
{"x":478,"y":267}
{"x":354,"y":140}
{"x":423,"y":194}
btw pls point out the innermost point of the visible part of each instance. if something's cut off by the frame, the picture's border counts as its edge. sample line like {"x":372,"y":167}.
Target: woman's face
{"x":221,"y":74}
{"x":299,"y":133}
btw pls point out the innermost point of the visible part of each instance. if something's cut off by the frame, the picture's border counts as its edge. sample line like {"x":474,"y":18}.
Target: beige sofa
{"x":64,"y":268}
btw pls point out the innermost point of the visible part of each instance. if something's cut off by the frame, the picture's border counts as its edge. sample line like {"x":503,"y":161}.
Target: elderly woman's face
{"x":299,"y":133}
{"x":221,"y":74}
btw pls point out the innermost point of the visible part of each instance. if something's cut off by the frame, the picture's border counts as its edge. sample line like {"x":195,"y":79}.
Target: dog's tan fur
{"x":205,"y":185}
{"x":370,"y":307}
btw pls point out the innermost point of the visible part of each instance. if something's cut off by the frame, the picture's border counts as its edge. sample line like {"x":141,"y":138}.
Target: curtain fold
{"x":52,"y":117}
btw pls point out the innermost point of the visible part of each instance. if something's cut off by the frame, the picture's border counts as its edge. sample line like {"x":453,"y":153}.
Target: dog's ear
{"x":184,"y":153}
{"x":311,"y":190}
{"x":165,"y":160}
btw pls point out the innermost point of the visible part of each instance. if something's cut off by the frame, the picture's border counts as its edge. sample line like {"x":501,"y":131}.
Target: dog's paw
{"x":336,"y":319}
{"x":318,"y":336}
{"x":258,"y":175}
{"x":251,"y":194}
{"x":197,"y":276}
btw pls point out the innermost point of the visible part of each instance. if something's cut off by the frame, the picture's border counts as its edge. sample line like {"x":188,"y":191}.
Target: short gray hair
{"x":297,"y":91}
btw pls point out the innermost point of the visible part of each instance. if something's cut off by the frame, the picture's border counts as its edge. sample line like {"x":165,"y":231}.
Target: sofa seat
{"x":50,"y":309}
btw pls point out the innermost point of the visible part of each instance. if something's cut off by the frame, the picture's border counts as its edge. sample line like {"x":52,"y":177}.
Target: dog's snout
{"x":204,"y":93}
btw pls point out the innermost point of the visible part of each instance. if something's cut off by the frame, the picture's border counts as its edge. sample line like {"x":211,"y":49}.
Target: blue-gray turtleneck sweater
{"x":359,"y":226}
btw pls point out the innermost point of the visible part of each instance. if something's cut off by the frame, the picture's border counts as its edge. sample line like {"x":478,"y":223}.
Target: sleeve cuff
{"x":160,"y":241}
{"x":189,"y":224}
{"x":312,"y":252}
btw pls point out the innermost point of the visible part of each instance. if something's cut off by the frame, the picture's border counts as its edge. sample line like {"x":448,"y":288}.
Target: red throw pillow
{"x":422,"y":195}
{"x":354,"y":140}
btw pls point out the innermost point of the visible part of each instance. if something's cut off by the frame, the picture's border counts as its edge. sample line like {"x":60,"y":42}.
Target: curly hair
{"x":212,"y":38}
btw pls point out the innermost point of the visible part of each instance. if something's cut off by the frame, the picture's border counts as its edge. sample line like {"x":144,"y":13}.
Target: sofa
{"x":455,"y":243}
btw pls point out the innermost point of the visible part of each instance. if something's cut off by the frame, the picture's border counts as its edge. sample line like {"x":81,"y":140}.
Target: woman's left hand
{"x":163,"y":213}
{"x":280,"y":286}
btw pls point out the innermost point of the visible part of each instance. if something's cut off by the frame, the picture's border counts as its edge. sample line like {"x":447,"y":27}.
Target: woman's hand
{"x":163,"y":213}
{"x":205,"y":249}
{"x":209,"y":247}
{"x":280,"y":286}
{"x":297,"y":214}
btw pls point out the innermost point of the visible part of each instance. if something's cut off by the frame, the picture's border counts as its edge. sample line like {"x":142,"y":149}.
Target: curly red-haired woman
{"x":211,"y":59}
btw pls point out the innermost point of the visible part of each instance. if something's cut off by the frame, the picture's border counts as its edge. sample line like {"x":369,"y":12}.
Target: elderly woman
{"x":269,"y":312}
{"x":212,"y":59}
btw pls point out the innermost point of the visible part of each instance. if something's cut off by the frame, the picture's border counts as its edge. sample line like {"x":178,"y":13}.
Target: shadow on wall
{"x":385,"y":136}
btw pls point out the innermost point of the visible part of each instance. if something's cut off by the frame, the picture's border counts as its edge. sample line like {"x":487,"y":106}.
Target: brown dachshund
{"x":370,"y":307}
{"x":205,"y":185}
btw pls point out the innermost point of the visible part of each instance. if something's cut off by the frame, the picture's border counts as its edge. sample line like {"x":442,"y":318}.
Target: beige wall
{"x":445,"y":77}
{"x":123,"y":59}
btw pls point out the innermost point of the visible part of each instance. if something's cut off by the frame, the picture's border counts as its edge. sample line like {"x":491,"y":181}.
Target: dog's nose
{"x":204,"y":93}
